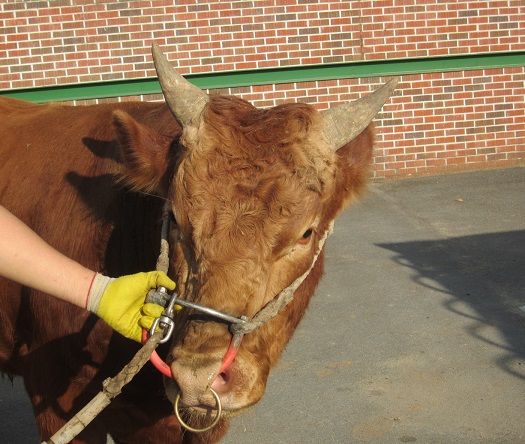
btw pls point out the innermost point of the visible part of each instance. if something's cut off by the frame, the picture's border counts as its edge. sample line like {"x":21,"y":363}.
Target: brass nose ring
{"x":213,"y":423}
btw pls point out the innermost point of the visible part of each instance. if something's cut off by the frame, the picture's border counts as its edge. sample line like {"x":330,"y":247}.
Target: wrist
{"x":96,"y":291}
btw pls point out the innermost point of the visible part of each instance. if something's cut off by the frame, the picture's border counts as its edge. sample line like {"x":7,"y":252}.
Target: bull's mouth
{"x":194,"y":408}
{"x":197,"y":418}
{"x":198,"y":409}
{"x":193,"y":416}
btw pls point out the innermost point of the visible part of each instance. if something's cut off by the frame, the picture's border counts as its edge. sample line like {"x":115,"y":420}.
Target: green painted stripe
{"x":232,"y":79}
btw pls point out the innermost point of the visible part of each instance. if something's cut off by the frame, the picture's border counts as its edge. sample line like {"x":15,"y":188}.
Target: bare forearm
{"x":28,"y":259}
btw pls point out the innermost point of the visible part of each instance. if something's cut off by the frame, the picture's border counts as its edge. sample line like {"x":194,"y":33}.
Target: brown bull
{"x":252,"y":192}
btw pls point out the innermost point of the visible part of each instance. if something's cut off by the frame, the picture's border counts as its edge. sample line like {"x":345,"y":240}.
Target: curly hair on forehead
{"x":283,"y":124}
{"x":290,"y":134}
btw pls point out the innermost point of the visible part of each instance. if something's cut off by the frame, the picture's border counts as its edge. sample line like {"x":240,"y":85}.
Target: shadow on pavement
{"x":485,"y":278}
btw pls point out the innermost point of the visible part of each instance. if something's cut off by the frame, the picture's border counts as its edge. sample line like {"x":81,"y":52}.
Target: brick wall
{"x":439,"y":122}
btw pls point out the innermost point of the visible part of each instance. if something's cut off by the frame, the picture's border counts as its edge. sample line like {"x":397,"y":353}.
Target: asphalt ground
{"x":416,"y":333}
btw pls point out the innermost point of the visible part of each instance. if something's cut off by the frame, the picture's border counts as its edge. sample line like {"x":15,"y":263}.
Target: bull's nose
{"x":193,"y":384}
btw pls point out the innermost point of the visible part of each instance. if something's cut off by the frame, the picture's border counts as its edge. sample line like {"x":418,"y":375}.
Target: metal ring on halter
{"x":214,"y":422}
{"x":166,"y":324}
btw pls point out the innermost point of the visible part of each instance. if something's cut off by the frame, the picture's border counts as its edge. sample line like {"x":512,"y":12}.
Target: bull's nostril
{"x":221,"y":382}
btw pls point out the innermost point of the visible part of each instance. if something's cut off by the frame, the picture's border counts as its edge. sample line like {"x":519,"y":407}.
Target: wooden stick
{"x":112,"y":387}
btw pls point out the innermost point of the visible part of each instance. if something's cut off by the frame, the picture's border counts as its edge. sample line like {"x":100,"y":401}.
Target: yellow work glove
{"x":120,"y":301}
{"x":149,"y":313}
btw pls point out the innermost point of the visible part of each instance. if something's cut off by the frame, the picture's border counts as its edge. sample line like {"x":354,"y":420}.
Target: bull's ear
{"x":146,"y":154}
{"x":353,"y":168}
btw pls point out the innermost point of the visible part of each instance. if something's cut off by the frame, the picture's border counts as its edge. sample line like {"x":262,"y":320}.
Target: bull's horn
{"x":184,"y":99}
{"x":344,"y":122}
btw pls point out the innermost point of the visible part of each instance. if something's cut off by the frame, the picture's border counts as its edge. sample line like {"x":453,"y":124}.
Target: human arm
{"x":27,"y":259}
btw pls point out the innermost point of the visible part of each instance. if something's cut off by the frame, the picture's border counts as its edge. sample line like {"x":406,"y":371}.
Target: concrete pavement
{"x":416,"y":333}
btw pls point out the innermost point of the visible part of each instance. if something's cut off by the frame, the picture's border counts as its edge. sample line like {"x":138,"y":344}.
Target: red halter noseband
{"x":166,"y":322}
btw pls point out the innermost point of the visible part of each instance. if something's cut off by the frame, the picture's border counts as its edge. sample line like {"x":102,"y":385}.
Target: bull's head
{"x":252,"y":192}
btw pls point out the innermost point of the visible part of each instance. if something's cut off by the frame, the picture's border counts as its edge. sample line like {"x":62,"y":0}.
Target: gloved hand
{"x":120,"y":301}
{"x":149,"y":313}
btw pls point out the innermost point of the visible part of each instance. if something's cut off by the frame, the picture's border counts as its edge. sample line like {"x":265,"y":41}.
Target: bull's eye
{"x":306,"y":237}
